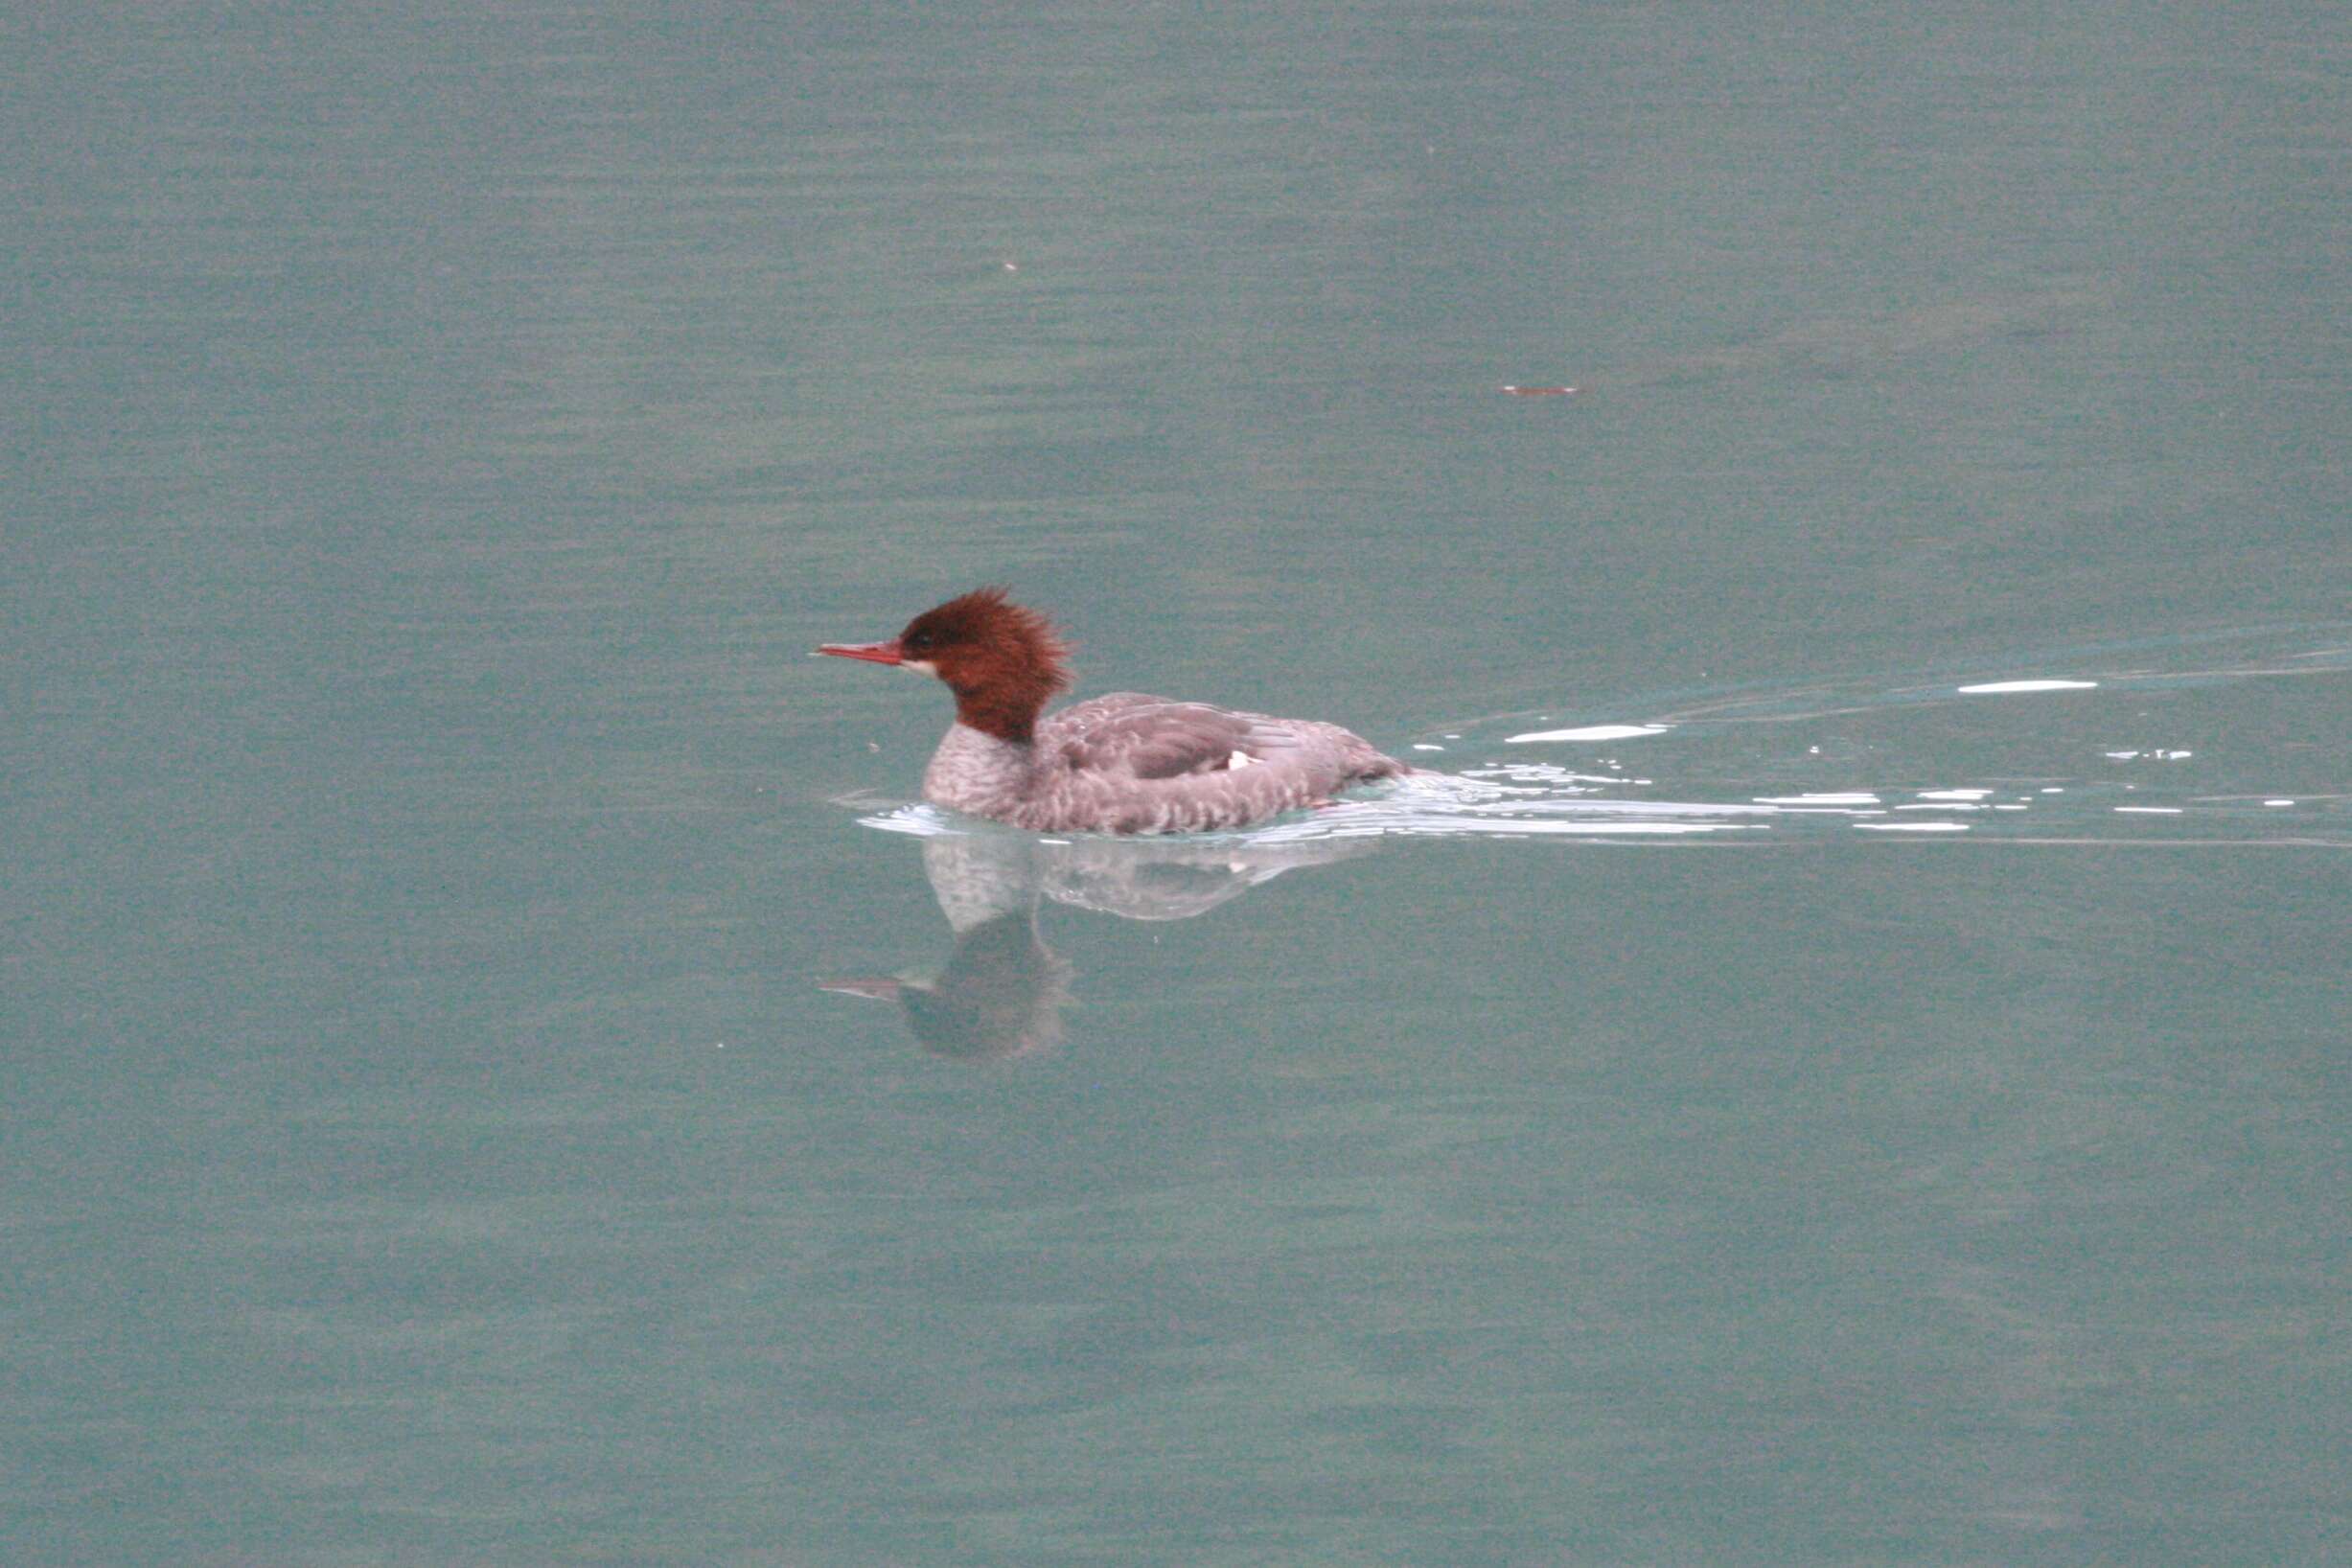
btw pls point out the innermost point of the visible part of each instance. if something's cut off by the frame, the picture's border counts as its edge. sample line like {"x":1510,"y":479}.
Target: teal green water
{"x":498,"y":1070}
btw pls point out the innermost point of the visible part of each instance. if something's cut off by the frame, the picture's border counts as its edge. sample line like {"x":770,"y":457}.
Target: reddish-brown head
{"x":1002,"y":661}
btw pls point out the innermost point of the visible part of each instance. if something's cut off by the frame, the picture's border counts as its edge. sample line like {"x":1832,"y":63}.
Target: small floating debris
{"x":1518,"y":391}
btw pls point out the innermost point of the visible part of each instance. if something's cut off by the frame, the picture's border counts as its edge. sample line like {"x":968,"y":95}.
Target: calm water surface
{"x":1843,"y":1060}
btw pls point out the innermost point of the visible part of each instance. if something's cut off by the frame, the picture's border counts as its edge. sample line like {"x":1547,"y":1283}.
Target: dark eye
{"x":921,"y":642}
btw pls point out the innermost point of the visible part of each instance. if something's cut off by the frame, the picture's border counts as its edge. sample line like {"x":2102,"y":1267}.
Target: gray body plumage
{"x":1129,"y":763}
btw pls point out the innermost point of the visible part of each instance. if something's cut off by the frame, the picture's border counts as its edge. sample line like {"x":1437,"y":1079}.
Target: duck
{"x":1124,"y":763}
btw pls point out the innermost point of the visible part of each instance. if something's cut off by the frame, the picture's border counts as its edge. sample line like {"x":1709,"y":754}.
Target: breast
{"x":980,"y":775}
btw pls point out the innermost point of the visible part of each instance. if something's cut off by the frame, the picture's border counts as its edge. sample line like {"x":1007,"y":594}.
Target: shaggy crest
{"x":1001,"y":661}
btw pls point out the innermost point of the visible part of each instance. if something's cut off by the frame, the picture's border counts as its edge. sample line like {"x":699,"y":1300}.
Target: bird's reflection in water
{"x":1002,"y":992}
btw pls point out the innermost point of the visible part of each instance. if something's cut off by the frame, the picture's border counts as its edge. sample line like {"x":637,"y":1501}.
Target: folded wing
{"x":1153,"y":737}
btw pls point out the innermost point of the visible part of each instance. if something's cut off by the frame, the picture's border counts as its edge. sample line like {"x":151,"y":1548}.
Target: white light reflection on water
{"x":1588,"y":732}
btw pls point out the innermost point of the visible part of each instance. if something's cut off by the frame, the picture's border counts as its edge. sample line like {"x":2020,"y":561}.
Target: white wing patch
{"x":1240,"y":760}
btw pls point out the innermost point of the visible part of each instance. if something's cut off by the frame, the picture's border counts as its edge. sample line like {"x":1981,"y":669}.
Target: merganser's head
{"x":1002,"y":661}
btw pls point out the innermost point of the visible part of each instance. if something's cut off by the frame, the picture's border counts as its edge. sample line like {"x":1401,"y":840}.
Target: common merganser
{"x":1124,"y":763}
